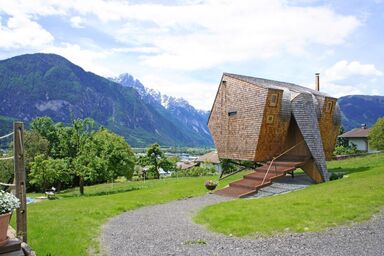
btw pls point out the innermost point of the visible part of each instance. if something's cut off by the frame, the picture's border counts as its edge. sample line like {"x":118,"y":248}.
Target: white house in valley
{"x":359,"y":137}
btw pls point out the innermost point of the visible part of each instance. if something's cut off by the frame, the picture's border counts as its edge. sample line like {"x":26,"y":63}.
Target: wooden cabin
{"x":262,"y":120}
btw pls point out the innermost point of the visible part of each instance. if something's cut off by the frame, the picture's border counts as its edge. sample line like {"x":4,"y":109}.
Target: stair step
{"x":253,"y":181}
{"x":275,"y":168}
{"x":260,"y":175}
{"x":247,"y":183}
{"x":287,"y":163}
{"x":235,"y":192}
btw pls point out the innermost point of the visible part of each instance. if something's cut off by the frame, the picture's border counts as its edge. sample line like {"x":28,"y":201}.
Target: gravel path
{"x":167,"y":229}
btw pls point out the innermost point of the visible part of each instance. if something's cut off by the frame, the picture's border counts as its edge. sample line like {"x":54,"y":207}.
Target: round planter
{"x":210,"y":187}
{"x":4,"y":222}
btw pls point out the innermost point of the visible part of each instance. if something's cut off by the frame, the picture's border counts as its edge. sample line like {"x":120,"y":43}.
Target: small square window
{"x":270,"y":119}
{"x":273,"y":100}
{"x":329,"y":106}
{"x":232,"y":113}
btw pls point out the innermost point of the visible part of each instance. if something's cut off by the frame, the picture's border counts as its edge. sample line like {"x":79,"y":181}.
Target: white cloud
{"x":90,"y":60}
{"x":349,"y":78}
{"x":338,"y":90}
{"x":344,"y":69}
{"x":77,"y":22}
{"x":193,"y":35}
{"x":20,"y":31}
{"x":158,"y":41}
{"x":210,"y":33}
{"x":35,"y":7}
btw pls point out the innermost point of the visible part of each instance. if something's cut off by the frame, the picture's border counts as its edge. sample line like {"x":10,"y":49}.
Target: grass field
{"x":72,"y":224}
{"x":354,"y":198}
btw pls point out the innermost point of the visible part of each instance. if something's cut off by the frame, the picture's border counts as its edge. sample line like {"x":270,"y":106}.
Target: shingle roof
{"x":211,"y":157}
{"x":356,"y":133}
{"x":303,"y":109}
{"x":276,"y":84}
{"x":185,"y":165}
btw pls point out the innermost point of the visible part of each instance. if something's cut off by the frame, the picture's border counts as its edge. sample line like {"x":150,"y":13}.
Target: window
{"x":232,"y":113}
{"x":329,"y":106}
{"x":269,"y":119}
{"x":273,"y":100}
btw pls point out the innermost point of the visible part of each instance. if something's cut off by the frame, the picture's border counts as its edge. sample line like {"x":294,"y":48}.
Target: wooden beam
{"x":311,"y":169}
{"x":21,"y":213}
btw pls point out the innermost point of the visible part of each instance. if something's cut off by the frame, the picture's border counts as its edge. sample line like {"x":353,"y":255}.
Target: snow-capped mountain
{"x":177,"y":110}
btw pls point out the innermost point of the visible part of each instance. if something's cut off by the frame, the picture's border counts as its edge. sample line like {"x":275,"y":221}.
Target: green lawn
{"x":71,"y":224}
{"x":354,"y":198}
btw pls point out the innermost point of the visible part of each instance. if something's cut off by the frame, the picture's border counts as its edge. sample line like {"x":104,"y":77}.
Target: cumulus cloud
{"x":192,"y":35}
{"x":209,"y":33}
{"x":90,"y":60}
{"x":188,"y":35}
{"x":344,"y":69}
{"x":20,"y":31}
{"x":348,"y":78}
{"x":76,"y":22}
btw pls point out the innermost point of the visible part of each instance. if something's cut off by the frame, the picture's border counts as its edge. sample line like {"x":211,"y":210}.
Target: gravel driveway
{"x":167,"y":229}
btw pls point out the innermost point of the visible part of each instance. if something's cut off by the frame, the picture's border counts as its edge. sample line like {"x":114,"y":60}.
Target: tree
{"x":88,"y":164}
{"x":46,"y":128}
{"x":83,"y":157}
{"x":116,"y":152}
{"x":340,"y":141}
{"x":49,"y":172}
{"x":35,"y":144}
{"x":376,"y":135}
{"x":6,"y":170}
{"x":155,"y":159}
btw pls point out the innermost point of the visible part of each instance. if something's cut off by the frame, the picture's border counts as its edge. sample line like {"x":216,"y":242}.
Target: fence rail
{"x":6,"y":136}
{"x":19,"y":181}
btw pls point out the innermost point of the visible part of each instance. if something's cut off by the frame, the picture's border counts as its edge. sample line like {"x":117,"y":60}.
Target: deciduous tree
{"x":376,"y":135}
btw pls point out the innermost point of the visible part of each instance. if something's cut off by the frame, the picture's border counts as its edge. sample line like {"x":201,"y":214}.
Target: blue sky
{"x":182,"y":47}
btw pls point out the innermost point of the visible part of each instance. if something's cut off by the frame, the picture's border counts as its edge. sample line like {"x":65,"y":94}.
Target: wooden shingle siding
{"x":328,"y":129}
{"x":272,"y":134}
{"x":304,"y":111}
{"x":257,"y":119}
{"x":236,"y":137}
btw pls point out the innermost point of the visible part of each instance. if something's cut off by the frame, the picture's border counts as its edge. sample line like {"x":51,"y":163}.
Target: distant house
{"x":359,"y":137}
{"x":210,"y":159}
{"x":162,"y":172}
{"x":184,"y":165}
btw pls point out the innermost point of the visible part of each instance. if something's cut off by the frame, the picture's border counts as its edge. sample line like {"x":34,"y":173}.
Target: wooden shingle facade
{"x":257,"y":119}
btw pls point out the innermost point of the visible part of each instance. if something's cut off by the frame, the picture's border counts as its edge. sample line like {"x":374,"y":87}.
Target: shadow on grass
{"x":101,"y":193}
{"x":350,"y":170}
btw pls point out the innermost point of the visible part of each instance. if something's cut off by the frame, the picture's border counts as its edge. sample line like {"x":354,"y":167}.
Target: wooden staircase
{"x":261,"y":177}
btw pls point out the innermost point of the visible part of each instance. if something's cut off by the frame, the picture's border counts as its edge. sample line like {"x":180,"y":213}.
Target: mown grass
{"x":354,"y":198}
{"x":72,"y":224}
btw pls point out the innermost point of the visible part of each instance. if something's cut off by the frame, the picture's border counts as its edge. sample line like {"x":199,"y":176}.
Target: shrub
{"x":336,"y":175}
{"x":195,"y":172}
{"x":346,"y":150}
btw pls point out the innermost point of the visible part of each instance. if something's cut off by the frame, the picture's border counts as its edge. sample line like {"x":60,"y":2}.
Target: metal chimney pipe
{"x":317,"y":81}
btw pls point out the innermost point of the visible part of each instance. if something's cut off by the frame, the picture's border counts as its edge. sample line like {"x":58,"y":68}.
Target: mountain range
{"x":39,"y":84}
{"x":360,"y":109}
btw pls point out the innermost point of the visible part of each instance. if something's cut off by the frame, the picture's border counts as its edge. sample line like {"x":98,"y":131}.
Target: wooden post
{"x":21,"y":213}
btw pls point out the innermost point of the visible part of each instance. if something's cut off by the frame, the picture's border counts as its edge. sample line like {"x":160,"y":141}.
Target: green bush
{"x":346,"y":150}
{"x":336,"y":175}
{"x":195,"y":172}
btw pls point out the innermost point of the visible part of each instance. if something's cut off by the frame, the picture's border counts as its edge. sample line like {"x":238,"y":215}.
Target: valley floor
{"x":168,"y":229}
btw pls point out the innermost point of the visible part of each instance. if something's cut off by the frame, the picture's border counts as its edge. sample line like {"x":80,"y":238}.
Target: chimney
{"x":317,"y":81}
